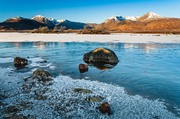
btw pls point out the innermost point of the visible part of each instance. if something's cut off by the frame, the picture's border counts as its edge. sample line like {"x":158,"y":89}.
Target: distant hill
{"x":20,"y":23}
{"x":71,"y":25}
{"x":150,"y":22}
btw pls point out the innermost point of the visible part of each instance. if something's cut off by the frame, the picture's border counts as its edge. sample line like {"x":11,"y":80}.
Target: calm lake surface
{"x":151,"y":70}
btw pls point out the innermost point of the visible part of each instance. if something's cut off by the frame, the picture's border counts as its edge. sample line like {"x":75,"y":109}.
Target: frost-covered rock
{"x":81,"y":90}
{"x":42,"y":75}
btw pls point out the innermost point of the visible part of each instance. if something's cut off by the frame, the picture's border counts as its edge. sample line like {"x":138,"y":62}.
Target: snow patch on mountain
{"x":132,"y":18}
{"x":38,"y":16}
{"x":149,"y":16}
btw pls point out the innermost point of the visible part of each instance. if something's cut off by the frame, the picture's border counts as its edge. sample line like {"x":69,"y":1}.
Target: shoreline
{"x":103,"y":38}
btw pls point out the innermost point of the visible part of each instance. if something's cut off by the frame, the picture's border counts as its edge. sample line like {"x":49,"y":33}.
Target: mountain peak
{"x":116,"y":18}
{"x":14,"y":19}
{"x":38,"y":16}
{"x":149,"y":16}
{"x":152,"y":14}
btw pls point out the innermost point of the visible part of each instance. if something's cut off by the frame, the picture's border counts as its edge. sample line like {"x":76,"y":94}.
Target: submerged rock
{"x":105,"y":108}
{"x":12,"y":109}
{"x":95,"y":99}
{"x":83,"y":68}
{"x":40,"y":97}
{"x":42,"y":75}
{"x":101,"y":55}
{"x":81,"y":90}
{"x":2,"y":97}
{"x":15,"y":116}
{"x":20,"y":62}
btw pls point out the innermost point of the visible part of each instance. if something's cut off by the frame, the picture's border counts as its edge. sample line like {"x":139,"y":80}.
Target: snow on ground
{"x":72,"y":37}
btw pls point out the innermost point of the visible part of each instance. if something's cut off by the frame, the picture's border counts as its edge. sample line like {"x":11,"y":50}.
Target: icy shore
{"x":72,"y":37}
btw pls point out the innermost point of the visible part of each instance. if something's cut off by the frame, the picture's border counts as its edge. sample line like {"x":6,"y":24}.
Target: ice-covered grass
{"x":58,"y":100}
{"x":124,"y":38}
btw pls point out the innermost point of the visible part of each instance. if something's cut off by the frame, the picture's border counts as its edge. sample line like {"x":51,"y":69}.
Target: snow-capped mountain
{"x":121,"y":18}
{"x":145,"y":17}
{"x":20,"y":23}
{"x":44,"y":20}
{"x":116,"y":18}
{"x":14,"y":19}
{"x":115,"y":23}
{"x":132,"y":18}
{"x":54,"y":21}
{"x":48,"y":21}
{"x":61,"y":21}
{"x":149,"y":16}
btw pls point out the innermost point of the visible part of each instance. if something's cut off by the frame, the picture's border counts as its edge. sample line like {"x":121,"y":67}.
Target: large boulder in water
{"x":100,"y":56}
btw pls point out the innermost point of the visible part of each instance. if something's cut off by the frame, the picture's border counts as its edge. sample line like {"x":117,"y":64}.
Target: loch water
{"x":149,"y":71}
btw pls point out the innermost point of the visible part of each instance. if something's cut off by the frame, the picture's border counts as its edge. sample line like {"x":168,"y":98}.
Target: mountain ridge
{"x":149,"y":22}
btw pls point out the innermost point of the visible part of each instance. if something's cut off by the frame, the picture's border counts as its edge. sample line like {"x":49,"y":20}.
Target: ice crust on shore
{"x":72,"y":37}
{"x":62,"y":102}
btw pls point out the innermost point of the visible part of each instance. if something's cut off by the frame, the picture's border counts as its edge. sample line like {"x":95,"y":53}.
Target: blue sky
{"x":91,"y":11}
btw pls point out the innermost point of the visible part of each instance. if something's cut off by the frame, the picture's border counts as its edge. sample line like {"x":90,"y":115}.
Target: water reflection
{"x":17,"y":44}
{"x":38,"y":45}
{"x":146,"y":47}
{"x":102,"y":66}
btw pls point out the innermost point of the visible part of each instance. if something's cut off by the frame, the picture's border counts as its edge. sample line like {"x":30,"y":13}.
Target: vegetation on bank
{"x":90,"y":30}
{"x":64,"y":30}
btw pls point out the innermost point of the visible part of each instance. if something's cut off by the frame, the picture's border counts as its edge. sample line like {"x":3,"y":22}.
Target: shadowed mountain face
{"x":71,"y":25}
{"x":20,"y":24}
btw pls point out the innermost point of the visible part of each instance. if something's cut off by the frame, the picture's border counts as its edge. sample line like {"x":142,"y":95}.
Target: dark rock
{"x":25,"y":105}
{"x":102,"y":55}
{"x":40,"y":97}
{"x":105,"y":108}
{"x":81,"y":90}
{"x":83,"y":68}
{"x":102,"y":58}
{"x":12,"y":109}
{"x":20,"y":62}
{"x":14,"y":116}
{"x":2,"y":97}
{"x":2,"y":104}
{"x":95,"y":99}
{"x":42,"y":75}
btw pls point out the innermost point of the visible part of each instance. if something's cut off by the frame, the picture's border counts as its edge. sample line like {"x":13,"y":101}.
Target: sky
{"x":87,"y":11}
